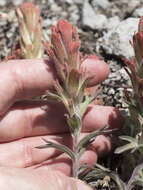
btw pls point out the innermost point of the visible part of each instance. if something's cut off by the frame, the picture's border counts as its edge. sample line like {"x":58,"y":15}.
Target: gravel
{"x":116,"y":40}
{"x":91,"y":18}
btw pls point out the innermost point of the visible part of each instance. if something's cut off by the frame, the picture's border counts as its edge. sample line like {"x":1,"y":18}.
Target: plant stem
{"x":75,"y":165}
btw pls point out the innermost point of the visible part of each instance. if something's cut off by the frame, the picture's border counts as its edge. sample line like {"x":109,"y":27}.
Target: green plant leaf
{"x":60,"y":147}
{"x":133,"y":145}
{"x":74,"y":122}
{"x":129,"y":139}
{"x":136,"y":178}
{"x":83,"y":106}
{"x":53,"y":97}
{"x":124,"y":148}
{"x":87,"y":140}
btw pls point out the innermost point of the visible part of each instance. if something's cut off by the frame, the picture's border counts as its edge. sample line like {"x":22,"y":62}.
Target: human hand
{"x":24,"y":122}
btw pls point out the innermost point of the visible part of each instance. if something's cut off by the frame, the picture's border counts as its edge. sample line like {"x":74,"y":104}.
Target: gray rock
{"x":138,"y":12}
{"x":16,"y":2}
{"x":46,"y":23}
{"x":116,"y":41}
{"x":112,"y":22}
{"x":3,"y":2}
{"x":91,"y":18}
{"x":133,"y":4}
{"x":104,"y":4}
{"x":74,"y":13}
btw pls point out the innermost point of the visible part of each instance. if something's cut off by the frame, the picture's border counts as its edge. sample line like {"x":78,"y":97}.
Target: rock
{"x":79,"y":2}
{"x":138,"y":12}
{"x":111,"y":91}
{"x":46,"y":23}
{"x":133,"y":4}
{"x":91,"y":19}
{"x":74,"y":13}
{"x":116,"y":40}
{"x":112,"y":22}
{"x":104,"y":4}
{"x":16,"y":2}
{"x":55,"y":8}
{"x":3,"y":2}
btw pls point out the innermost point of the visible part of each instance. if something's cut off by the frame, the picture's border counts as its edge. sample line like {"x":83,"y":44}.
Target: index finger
{"x":24,"y":79}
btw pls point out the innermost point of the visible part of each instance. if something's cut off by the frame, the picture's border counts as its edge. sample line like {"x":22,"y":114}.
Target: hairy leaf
{"x":60,"y":147}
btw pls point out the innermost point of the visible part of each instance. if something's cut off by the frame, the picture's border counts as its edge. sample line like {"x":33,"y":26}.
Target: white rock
{"x":46,"y":23}
{"x":112,"y":22}
{"x":101,"y":3}
{"x":16,"y":2}
{"x":73,"y":1}
{"x":138,"y":12}
{"x":133,"y":4}
{"x":69,"y":1}
{"x":3,"y":2}
{"x":91,"y":19}
{"x":116,"y":41}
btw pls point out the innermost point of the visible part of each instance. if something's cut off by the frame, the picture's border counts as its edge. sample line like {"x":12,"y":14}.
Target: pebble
{"x":46,"y":23}
{"x":104,"y":4}
{"x":16,"y":2}
{"x":3,"y":2}
{"x":91,"y":19}
{"x":116,"y":40}
{"x":138,"y":12}
{"x":112,"y":22}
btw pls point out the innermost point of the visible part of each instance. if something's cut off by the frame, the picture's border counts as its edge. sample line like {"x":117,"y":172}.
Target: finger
{"x":22,"y":153}
{"x":38,"y":180}
{"x":22,"y":79}
{"x":31,"y":120}
{"x":97,"y":68}
{"x":63,"y":163}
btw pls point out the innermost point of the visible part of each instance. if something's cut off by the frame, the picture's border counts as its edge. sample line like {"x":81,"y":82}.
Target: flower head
{"x":30,"y":30}
{"x":64,"y":52}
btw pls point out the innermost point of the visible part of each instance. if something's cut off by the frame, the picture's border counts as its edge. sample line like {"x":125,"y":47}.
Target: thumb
{"x":26,"y":179}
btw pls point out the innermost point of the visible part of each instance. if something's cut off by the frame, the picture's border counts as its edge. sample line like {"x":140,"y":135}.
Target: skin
{"x":24,"y":122}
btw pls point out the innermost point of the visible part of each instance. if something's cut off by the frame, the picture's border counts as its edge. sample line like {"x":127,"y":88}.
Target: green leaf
{"x":128,"y":138}
{"x":84,"y":81}
{"x":74,"y":122}
{"x":60,"y":147}
{"x":124,"y":148}
{"x":133,"y":145}
{"x":53,"y":97}
{"x":83,"y":106}
{"x":136,"y":178}
{"x":87,"y":140}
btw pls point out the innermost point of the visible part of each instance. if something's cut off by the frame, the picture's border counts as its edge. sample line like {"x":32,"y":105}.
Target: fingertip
{"x":102,"y":145}
{"x":115,"y":119}
{"x":97,"y":68}
{"x":99,"y":116}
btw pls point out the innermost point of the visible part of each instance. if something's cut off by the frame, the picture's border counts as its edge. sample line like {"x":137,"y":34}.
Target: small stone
{"x":46,"y":22}
{"x":9,"y":34}
{"x":91,"y":19}
{"x":56,"y":8}
{"x":111,"y":91}
{"x":69,"y":1}
{"x":112,"y":22}
{"x":116,"y":41}
{"x":3,"y":2}
{"x":138,"y":12}
{"x":104,"y":4}
{"x":17,"y":2}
